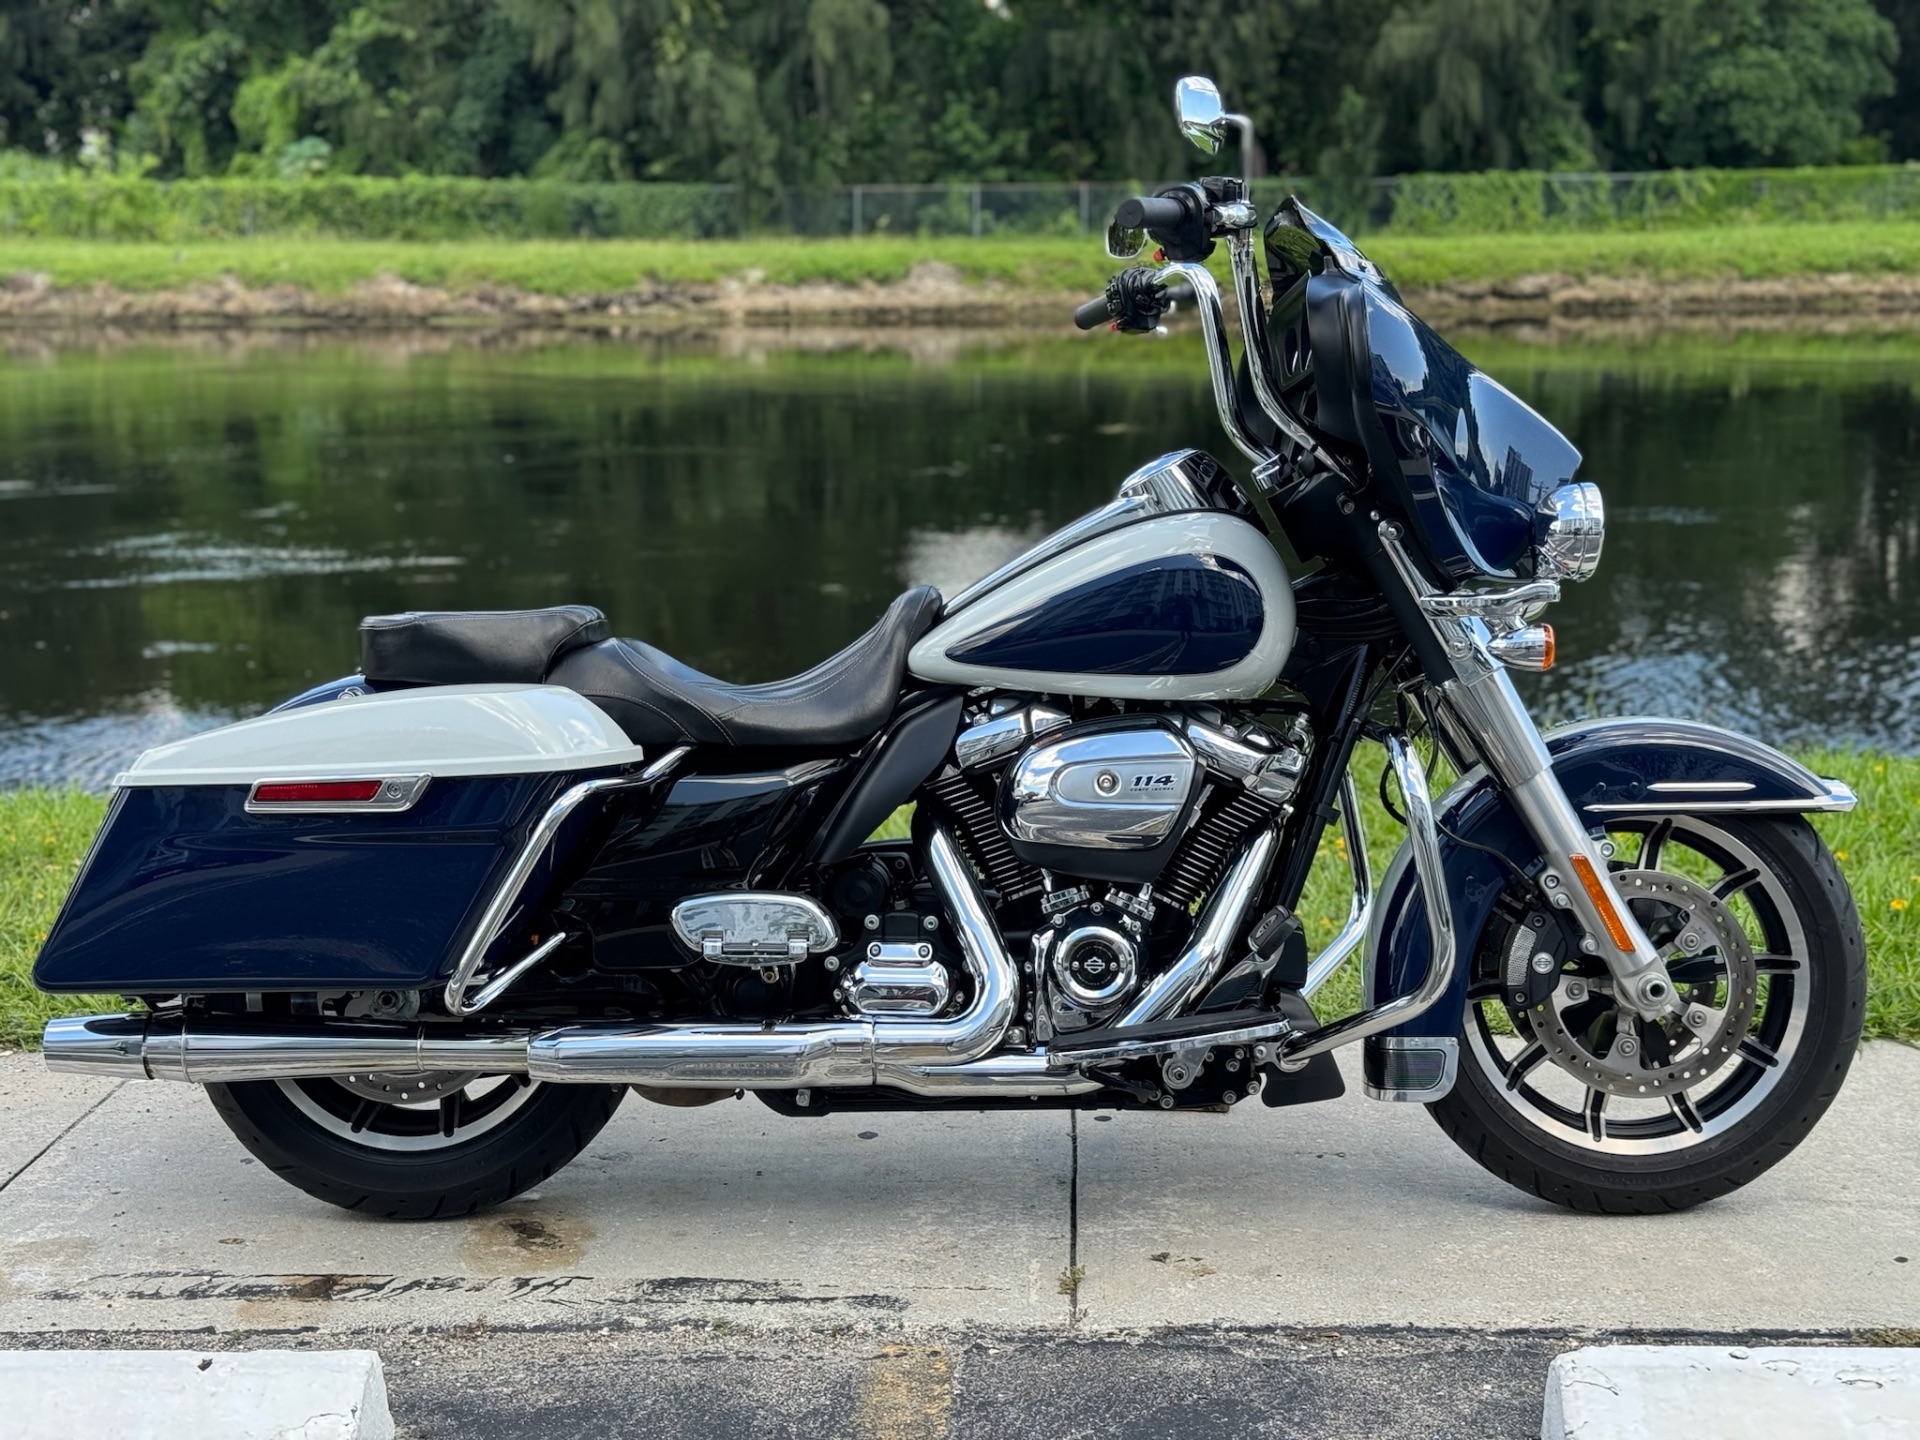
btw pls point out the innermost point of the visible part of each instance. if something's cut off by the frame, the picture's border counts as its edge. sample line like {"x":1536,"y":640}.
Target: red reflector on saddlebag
{"x":386,"y":792}
{"x":294,"y":792}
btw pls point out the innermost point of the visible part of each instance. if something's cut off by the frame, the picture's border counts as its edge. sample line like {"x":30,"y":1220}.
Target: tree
{"x":1478,"y":85}
{"x":1732,"y":82}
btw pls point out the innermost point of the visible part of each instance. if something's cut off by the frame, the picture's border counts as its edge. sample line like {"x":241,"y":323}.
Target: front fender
{"x":1610,"y":769}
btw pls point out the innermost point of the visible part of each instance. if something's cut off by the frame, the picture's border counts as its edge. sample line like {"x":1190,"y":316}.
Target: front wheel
{"x":1579,"y":1101}
{"x":421,"y":1145}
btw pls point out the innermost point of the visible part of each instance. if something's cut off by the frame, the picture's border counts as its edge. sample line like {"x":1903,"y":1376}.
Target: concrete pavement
{"x":128,"y":1208}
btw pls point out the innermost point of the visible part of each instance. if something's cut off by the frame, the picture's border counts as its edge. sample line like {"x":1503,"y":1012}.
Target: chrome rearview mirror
{"x":1202,"y":116}
{"x":1124,"y":244}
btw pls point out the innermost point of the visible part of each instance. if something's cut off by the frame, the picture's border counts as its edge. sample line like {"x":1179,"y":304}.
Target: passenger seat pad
{"x":659,"y":701}
{"x":474,"y":647}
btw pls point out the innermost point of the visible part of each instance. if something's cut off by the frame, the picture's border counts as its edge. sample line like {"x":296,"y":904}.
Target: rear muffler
{"x":221,"y":1052}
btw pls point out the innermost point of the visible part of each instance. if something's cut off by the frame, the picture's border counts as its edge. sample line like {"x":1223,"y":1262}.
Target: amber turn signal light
{"x":1528,"y":648}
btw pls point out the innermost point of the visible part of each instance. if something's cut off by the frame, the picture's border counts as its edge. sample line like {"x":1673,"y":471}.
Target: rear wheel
{"x":420,"y":1145}
{"x":1581,"y":1102}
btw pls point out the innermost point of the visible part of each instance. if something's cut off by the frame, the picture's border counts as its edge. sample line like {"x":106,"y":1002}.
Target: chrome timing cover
{"x":1107,"y":800}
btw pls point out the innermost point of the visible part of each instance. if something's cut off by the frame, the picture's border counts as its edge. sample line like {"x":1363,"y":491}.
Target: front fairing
{"x":1468,"y":462}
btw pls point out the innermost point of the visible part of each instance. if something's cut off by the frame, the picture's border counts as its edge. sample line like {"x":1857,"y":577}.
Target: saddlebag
{"x":344,"y":845}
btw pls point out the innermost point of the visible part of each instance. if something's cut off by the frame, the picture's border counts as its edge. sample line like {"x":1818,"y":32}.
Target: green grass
{"x":1040,"y":264}
{"x":1752,"y":252}
{"x":43,"y":835}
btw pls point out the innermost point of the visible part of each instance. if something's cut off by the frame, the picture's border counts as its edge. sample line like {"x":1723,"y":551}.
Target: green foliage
{"x":417,"y":208}
{"x":1734,"y":82}
{"x":1480,"y":85}
{"x":768,"y":94}
{"x":301,"y":192}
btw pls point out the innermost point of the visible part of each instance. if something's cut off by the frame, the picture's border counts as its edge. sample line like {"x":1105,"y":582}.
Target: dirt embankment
{"x":1536,"y":298}
{"x":933,"y":294}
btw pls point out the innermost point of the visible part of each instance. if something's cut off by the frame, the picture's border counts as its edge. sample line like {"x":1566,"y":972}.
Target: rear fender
{"x":1611,"y":770}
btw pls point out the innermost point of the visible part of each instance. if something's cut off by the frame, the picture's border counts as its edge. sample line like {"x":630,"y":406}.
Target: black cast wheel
{"x":417,"y":1146}
{"x":1581,"y":1102}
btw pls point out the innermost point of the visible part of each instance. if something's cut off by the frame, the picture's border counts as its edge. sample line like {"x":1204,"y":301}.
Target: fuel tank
{"x":1194,"y":606}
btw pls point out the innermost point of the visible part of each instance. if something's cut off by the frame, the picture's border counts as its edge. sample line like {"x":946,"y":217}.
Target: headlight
{"x":1571,"y":526}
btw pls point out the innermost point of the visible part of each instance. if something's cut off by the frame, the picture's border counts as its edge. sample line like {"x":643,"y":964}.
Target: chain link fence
{"x":441,"y":208}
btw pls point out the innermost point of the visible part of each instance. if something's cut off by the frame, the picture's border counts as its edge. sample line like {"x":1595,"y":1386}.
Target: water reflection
{"x":191,"y":533}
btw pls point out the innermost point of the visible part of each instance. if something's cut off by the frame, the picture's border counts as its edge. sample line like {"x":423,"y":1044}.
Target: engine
{"x":1107,"y":831}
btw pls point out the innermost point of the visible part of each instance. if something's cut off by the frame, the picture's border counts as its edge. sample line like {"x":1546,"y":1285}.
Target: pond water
{"x":189,"y":532}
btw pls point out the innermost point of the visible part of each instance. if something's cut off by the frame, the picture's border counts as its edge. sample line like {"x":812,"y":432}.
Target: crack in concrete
{"x":37,"y":1155}
{"x":1074,"y":1272}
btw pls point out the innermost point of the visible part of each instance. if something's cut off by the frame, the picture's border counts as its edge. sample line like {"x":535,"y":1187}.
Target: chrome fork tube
{"x":1489,"y":713}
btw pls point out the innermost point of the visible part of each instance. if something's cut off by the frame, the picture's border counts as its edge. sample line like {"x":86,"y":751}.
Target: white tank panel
{"x":441,"y":730}
{"x":1167,"y":540}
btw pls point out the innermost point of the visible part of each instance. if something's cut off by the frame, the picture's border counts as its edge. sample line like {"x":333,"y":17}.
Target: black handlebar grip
{"x":1150,"y":212}
{"x":1095,"y":313}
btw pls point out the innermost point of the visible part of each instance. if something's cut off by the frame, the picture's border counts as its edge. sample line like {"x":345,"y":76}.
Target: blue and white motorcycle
{"x":418,"y":931}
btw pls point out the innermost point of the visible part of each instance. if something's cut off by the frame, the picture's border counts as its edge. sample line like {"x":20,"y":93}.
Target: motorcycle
{"x":419,"y":930}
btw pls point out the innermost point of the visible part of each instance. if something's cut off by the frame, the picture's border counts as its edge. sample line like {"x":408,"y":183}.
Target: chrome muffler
{"x":213,"y":1052}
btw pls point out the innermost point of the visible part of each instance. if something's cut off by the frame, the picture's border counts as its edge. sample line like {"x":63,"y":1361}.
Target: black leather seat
{"x":659,"y":701}
{"x":474,"y":647}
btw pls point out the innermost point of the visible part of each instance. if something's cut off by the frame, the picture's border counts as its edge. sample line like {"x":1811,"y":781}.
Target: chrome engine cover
{"x":1106,"y":800}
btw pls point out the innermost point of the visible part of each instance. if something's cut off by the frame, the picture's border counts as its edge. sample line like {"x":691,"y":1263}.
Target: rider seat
{"x":654,"y":698}
{"x":841,"y":701}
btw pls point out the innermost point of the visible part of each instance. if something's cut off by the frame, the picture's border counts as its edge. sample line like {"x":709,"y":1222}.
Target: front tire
{"x":417,"y":1146}
{"x":1546,"y":1099}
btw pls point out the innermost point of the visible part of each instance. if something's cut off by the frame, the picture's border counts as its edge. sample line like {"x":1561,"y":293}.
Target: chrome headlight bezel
{"x":1572,"y":527}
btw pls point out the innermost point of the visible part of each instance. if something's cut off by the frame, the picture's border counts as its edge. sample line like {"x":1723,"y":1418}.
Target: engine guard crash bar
{"x":1424,"y":836}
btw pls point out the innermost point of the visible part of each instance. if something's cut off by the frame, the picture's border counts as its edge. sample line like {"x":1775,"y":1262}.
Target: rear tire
{"x":423,"y":1160}
{"x":1517,"y":1112}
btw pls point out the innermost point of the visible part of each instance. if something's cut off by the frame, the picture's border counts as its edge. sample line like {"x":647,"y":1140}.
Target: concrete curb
{"x":1705,"y":1392}
{"x":166,"y":1394}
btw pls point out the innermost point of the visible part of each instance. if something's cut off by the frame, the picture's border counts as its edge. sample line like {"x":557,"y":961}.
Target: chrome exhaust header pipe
{"x":221,"y":1052}
{"x":827,"y":1055}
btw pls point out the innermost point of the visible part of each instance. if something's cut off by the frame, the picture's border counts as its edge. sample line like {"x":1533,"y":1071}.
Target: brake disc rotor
{"x":1608,"y":1048}
{"x":406,"y":1087}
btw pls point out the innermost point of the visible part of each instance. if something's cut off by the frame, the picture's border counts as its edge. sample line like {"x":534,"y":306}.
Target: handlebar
{"x":1135,"y":300}
{"x":1095,"y":313}
{"x":1150,"y":212}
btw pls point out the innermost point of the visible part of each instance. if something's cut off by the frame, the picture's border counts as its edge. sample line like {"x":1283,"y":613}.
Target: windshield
{"x":1469,"y":458}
